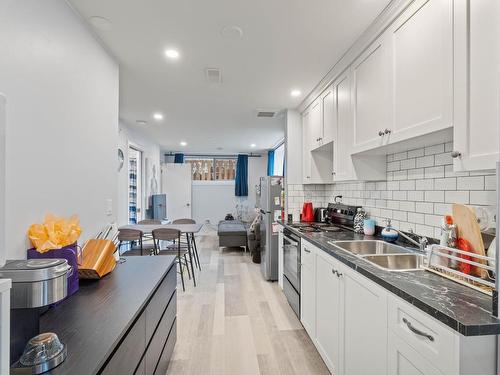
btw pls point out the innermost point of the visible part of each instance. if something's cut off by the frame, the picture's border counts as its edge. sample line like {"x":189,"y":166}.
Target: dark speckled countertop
{"x":461,"y":308}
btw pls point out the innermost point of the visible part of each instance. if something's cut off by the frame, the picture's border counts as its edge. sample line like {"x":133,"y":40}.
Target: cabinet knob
{"x":380,"y":133}
{"x":455,"y":154}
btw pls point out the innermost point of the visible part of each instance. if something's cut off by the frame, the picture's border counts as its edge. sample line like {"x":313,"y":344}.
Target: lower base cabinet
{"x":404,"y":360}
{"x":363,"y":317}
{"x":327,"y":311}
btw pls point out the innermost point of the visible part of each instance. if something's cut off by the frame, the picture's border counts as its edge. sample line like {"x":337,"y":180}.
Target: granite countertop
{"x":94,"y":320}
{"x":463,"y":309}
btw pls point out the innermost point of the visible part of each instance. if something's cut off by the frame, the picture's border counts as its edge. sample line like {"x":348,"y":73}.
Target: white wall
{"x":128,"y":136}
{"x":62,"y":119}
{"x":213,"y":200}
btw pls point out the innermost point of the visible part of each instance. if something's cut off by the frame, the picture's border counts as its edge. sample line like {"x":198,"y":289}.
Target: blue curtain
{"x":179,"y":158}
{"x":270,"y":163}
{"x":241,"y":179}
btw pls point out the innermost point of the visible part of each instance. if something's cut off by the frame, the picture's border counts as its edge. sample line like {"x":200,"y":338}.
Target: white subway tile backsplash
{"x":420,"y":188}
{"x":487,"y":198}
{"x":434,"y":172}
{"x":416,"y":153}
{"x":425,"y":161}
{"x":457,"y":197}
{"x":435,"y":149}
{"x":449,"y":183}
{"x":470,"y":183}
{"x":434,"y":196}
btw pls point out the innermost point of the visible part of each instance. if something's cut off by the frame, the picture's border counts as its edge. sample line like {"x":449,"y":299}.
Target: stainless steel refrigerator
{"x":269,"y":203}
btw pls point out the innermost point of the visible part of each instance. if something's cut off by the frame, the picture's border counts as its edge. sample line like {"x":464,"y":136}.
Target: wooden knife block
{"x":98,"y":259}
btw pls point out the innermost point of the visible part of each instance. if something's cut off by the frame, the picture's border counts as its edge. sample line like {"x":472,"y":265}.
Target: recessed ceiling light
{"x":253,"y":145}
{"x":295,"y":93}
{"x":141,"y":122}
{"x":172,"y":54}
{"x":158,"y":116}
{"x":183,"y":143}
{"x":232,"y":32}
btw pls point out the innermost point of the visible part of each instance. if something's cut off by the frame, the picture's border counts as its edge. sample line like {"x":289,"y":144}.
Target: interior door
{"x":177,"y":185}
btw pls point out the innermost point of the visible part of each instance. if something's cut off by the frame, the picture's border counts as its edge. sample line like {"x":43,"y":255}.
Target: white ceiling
{"x":286,"y":44}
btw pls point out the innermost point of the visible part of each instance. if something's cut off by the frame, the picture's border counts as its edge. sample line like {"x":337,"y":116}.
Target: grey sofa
{"x":232,"y":233}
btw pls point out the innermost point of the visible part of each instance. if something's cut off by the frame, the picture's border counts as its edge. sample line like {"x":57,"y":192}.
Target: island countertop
{"x":93,"y":322}
{"x":463,"y":309}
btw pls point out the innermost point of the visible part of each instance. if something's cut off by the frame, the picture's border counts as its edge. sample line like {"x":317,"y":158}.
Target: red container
{"x":307,"y":212}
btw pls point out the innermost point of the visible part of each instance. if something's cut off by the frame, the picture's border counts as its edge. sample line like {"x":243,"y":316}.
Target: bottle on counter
{"x":389,"y":233}
{"x":359,"y":220}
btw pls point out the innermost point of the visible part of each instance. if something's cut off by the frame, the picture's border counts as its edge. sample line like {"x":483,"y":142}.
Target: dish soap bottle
{"x":359,"y":220}
{"x":389,"y":233}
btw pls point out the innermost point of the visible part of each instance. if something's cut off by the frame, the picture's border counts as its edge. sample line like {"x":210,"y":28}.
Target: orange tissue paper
{"x":54,"y":233}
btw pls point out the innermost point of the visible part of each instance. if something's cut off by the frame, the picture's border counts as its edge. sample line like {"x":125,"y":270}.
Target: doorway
{"x":135,"y":185}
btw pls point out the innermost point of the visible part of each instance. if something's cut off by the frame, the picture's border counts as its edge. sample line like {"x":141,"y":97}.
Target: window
{"x":212,"y":169}
{"x":279,"y":157}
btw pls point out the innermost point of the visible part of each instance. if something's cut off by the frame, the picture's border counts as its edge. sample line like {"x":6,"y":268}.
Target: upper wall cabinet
{"x":477,"y":100}
{"x":421,"y":41}
{"x":371,"y":96}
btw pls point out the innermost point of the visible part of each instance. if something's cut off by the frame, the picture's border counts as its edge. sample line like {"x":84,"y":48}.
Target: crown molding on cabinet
{"x":378,"y":26}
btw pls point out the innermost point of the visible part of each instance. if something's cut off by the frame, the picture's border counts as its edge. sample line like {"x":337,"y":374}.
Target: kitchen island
{"x":124,"y":323}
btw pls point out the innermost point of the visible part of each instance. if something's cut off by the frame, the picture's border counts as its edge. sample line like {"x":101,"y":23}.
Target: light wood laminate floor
{"x":234,"y":322}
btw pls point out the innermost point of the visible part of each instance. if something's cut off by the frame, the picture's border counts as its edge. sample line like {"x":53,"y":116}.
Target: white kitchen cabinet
{"x":342,"y":146}
{"x":328,"y":311}
{"x":421,"y":42}
{"x":404,"y":360}
{"x":363,"y":316}
{"x":328,"y":112}
{"x":315,"y":124}
{"x":371,"y":96}
{"x":306,"y":152}
{"x":476,"y":94}
{"x":308,"y":288}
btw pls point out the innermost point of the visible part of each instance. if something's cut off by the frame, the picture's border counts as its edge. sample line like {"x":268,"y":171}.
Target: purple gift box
{"x":70,"y":253}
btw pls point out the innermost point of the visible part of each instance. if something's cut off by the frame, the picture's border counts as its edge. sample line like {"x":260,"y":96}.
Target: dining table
{"x":188,"y":229}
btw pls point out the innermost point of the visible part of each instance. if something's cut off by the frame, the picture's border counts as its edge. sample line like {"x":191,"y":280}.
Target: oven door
{"x":291,"y":259}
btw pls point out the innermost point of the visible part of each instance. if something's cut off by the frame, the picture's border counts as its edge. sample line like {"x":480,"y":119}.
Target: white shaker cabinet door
{"x":328,"y":311}
{"x":421,"y":40}
{"x":342,"y":146}
{"x":328,"y":113}
{"x":308,"y":289}
{"x":364,"y":324}
{"x":477,"y":94}
{"x":306,"y":147}
{"x":404,"y":360}
{"x":371,"y":96}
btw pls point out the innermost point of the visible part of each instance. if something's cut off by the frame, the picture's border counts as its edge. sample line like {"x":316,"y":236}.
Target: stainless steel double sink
{"x":383,"y":254}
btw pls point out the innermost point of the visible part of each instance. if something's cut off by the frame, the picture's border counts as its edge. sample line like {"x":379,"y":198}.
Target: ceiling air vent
{"x":268,"y":114}
{"x":213,"y":75}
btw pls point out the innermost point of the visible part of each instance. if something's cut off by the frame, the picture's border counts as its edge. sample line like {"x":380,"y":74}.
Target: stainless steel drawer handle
{"x":417,"y":331}
{"x":307,"y":251}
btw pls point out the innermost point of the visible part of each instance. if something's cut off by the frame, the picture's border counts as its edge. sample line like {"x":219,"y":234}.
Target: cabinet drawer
{"x":307,"y":252}
{"x":127,"y":356}
{"x":159,"y":301}
{"x":160,"y":336}
{"x":168,"y":349}
{"x":430,"y":338}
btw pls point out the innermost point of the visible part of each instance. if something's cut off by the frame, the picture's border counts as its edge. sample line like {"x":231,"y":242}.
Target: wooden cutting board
{"x":468,"y":228}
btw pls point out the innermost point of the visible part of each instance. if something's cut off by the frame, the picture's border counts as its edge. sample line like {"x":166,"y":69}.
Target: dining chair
{"x":131,"y":236}
{"x":149,"y":222}
{"x":190,"y":239}
{"x":172,"y":237}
